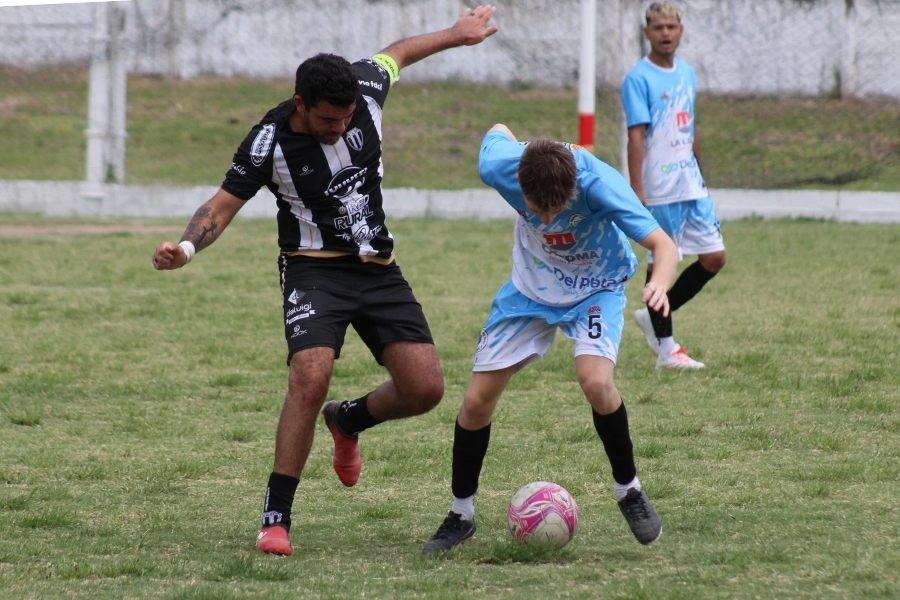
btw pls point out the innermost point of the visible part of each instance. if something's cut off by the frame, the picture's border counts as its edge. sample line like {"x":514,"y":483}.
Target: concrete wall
{"x":77,"y":198}
{"x":736,"y":46}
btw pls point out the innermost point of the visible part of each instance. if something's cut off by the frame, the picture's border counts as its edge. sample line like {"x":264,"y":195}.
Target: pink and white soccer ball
{"x":543,"y":513}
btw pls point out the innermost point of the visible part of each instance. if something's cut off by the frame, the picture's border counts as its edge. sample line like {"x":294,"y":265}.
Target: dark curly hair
{"x":326,"y":77}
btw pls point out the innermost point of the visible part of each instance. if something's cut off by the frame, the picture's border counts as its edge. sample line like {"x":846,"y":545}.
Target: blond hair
{"x":663,"y":9}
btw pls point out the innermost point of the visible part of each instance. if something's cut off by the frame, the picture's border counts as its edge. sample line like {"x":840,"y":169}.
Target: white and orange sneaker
{"x":678,"y":360}
{"x":274,"y":540}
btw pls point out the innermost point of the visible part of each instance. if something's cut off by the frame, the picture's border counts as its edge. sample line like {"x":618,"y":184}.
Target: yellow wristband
{"x":389,"y":64}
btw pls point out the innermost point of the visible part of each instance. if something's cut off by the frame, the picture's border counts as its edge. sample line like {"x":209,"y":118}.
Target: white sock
{"x":667,"y":346}
{"x":620,"y":490}
{"x":464,"y":507}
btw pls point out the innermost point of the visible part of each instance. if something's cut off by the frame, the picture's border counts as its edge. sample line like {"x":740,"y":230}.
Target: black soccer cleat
{"x":452,"y":532}
{"x":641,"y":516}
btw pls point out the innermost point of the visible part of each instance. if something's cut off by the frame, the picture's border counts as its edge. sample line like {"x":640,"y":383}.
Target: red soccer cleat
{"x":274,"y":540}
{"x":347,"y":463}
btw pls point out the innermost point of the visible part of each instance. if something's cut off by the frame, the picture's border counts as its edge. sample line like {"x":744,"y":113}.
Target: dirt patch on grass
{"x":33,"y":231}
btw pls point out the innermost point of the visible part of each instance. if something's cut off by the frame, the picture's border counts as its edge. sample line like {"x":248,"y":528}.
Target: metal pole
{"x":849,"y":73}
{"x":587,"y":74}
{"x":118,"y":93}
{"x":98,"y":101}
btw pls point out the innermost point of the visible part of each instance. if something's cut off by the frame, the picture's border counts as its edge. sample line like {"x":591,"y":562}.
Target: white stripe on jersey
{"x":310,"y":236}
{"x":337,"y":155}
{"x":376,"y":114}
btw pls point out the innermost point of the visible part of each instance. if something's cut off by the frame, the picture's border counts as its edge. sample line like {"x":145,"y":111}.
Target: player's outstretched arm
{"x":665,"y":261}
{"x":471,"y":28}
{"x":205,"y":227}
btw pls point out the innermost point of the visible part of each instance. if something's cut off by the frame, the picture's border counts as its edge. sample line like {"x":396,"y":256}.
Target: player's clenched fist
{"x":169,"y":256}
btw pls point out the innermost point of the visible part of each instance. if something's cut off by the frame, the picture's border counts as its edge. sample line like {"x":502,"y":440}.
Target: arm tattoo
{"x":202,"y":230}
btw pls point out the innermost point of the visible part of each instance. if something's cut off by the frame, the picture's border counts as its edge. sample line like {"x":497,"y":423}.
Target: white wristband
{"x":189,"y":250}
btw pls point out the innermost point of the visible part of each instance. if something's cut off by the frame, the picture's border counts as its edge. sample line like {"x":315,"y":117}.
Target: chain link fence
{"x":782,"y":53}
{"x":791,"y":47}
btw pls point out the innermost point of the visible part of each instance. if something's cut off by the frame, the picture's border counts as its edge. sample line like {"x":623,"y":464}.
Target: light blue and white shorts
{"x":692,"y":225}
{"x":520,"y":330}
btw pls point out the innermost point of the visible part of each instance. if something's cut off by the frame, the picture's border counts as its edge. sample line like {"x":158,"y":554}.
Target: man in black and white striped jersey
{"x":319,"y":153}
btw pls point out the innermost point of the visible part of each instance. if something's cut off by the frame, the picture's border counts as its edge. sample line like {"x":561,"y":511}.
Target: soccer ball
{"x":543,"y":513}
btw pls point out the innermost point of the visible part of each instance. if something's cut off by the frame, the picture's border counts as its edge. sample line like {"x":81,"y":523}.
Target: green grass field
{"x":138,"y":411}
{"x":185,"y":132}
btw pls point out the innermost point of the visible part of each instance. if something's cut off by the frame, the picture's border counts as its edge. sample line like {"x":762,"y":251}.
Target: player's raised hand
{"x":169,"y":256}
{"x":471,"y":27}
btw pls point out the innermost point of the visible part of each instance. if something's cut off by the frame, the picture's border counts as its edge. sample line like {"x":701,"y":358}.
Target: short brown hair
{"x":548,"y":175}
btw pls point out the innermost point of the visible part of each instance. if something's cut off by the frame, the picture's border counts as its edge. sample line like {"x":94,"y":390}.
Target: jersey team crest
{"x":354,"y":139}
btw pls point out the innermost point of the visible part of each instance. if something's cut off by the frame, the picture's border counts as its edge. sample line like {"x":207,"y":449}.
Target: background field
{"x":138,"y":409}
{"x":185,"y":132}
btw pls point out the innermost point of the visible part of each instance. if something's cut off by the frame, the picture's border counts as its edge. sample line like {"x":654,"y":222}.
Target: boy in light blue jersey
{"x":571,"y":258}
{"x":664,"y":166}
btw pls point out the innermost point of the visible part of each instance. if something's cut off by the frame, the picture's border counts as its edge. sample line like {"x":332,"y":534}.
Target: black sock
{"x":662,"y":326}
{"x":469,"y":449}
{"x":354,"y":416}
{"x":688,"y":284}
{"x":613,"y":432}
{"x":279,"y":499}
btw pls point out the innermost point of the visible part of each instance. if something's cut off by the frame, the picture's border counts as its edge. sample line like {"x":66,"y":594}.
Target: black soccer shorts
{"x":321,"y":296}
